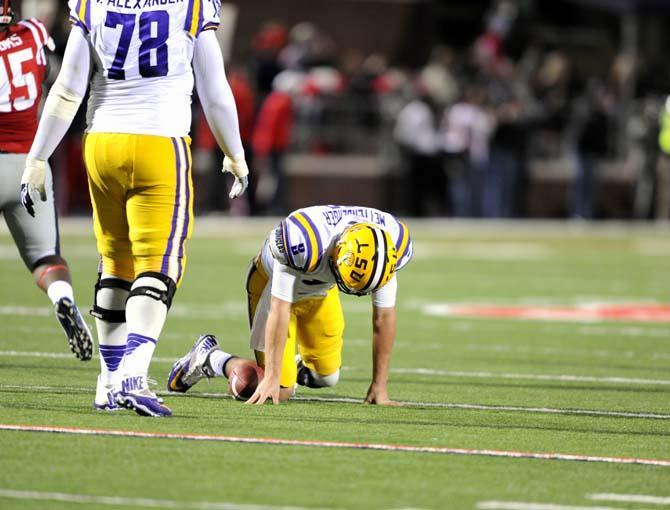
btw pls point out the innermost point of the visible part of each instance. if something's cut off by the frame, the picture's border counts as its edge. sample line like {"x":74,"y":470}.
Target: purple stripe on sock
{"x":135,"y":340}
{"x":175,"y":211}
{"x":141,"y":338}
{"x":187,"y":212}
{"x":112,"y":355}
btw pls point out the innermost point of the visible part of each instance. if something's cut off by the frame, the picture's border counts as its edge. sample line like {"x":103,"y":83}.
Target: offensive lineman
{"x":23,"y":67}
{"x":292,"y":290}
{"x":142,"y":56}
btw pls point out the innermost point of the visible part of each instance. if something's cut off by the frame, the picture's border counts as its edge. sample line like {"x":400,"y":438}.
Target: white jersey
{"x":142,"y":78}
{"x":299,"y":250}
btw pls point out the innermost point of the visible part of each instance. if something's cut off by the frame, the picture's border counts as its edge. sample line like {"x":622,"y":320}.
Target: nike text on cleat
{"x":77,"y":332}
{"x":104,"y":398}
{"x":194,"y":366}
{"x":136,"y":396}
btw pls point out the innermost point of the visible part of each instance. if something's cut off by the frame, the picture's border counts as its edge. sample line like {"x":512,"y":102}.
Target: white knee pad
{"x":326,"y":381}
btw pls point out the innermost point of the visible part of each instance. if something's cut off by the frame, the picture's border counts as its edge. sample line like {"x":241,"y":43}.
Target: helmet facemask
{"x":6,"y":13}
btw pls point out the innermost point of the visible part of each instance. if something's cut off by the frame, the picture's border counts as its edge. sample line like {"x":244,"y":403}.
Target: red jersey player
{"x":23,"y":67}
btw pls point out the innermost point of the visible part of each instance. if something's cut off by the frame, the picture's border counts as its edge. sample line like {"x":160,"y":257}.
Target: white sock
{"x":111,"y":335}
{"x":145,"y":318}
{"x":217,"y":360}
{"x":60,"y":289}
{"x":326,"y":381}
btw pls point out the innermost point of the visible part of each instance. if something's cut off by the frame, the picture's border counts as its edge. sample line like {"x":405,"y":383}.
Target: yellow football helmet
{"x":364,"y":259}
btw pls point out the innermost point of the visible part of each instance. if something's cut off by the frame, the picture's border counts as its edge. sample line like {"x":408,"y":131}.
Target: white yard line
{"x":135,"y":502}
{"x":63,"y":355}
{"x":424,"y":371}
{"x":348,"y":400}
{"x":408,"y":403}
{"x":630,"y":498}
{"x":523,"y":505}
{"x":181,"y":310}
{"x":337,"y":444}
{"x":31,"y":311}
{"x":536,"y":377}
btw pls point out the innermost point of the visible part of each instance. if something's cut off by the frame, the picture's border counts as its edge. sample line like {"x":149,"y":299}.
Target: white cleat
{"x":194,"y":366}
{"x":104,"y":397}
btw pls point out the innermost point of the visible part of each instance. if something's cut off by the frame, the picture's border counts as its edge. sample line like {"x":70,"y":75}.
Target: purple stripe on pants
{"x":175,"y":211}
{"x":187,"y":215}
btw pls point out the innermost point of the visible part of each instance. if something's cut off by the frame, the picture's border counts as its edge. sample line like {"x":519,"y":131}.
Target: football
{"x":244,"y":379}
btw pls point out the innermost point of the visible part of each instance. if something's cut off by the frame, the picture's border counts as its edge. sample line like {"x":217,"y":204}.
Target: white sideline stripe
{"x":426,"y":371}
{"x":337,"y":444}
{"x":537,"y":377}
{"x":348,"y":400}
{"x":136,"y":502}
{"x":629,"y":498}
{"x":182,"y":310}
{"x":62,"y":355}
{"x":32,"y":311}
{"x":483,"y":407}
{"x":522,"y":505}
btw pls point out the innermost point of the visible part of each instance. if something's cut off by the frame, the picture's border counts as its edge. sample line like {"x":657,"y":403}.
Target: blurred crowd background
{"x":477,"y":108}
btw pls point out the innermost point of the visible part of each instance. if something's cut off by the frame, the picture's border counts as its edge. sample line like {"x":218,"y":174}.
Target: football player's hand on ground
{"x":266,"y":389}
{"x":32,"y":182}
{"x":379,"y":395}
{"x":238,"y":167}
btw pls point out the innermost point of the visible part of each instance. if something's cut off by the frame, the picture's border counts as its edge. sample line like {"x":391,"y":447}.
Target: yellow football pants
{"x":142,"y":196}
{"x":316,"y":327}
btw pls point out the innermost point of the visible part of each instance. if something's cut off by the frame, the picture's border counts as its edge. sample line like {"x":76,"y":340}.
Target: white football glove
{"x":32,"y":182}
{"x":238,"y":167}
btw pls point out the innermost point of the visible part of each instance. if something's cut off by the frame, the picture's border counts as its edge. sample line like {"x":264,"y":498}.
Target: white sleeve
{"x":215,"y":95}
{"x":284,"y":280}
{"x":385,"y":297}
{"x":65,"y":95}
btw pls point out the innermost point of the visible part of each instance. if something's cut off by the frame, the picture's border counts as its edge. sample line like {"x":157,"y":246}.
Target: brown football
{"x":244,"y":379}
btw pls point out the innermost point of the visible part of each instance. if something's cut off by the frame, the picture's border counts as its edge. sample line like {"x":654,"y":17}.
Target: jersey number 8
{"x":154,"y":32}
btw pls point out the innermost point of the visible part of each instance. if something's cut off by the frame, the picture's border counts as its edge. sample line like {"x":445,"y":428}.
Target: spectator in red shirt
{"x":208,"y":157}
{"x":271,"y":139}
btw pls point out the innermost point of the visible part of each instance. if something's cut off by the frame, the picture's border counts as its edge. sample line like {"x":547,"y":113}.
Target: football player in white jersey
{"x":139,"y":57}
{"x":292,"y":290}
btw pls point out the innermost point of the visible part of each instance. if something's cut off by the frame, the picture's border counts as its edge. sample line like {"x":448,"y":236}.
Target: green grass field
{"x":592,"y":387}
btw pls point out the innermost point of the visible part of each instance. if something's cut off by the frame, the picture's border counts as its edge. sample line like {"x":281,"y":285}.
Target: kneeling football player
{"x":292,"y":290}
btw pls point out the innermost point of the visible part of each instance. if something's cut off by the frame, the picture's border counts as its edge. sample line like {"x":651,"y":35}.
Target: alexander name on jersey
{"x":139,"y":4}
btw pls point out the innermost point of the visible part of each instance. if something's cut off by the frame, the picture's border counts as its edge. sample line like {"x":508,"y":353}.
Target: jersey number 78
{"x":154,"y":29}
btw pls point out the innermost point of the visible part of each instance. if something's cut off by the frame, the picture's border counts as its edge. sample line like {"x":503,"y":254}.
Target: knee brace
{"x":144,"y":286}
{"x":110,"y":306}
{"x":312,"y":379}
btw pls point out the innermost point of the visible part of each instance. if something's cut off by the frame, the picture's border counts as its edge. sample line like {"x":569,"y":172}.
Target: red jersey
{"x":23,"y":66}
{"x":273,"y":127}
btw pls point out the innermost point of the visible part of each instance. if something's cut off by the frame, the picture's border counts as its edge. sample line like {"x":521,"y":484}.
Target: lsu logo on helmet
{"x":364,"y":259}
